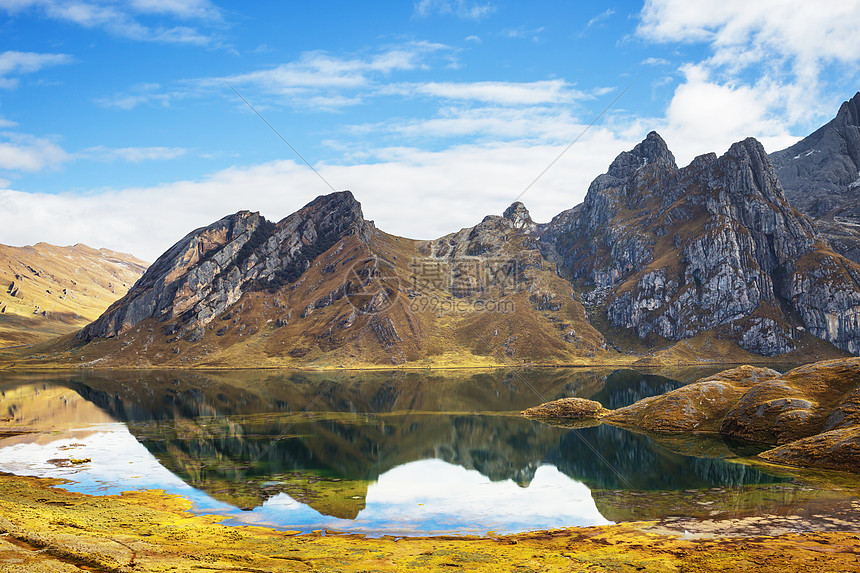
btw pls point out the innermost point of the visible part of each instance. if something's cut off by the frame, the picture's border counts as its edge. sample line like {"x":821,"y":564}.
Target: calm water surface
{"x":382,"y":453}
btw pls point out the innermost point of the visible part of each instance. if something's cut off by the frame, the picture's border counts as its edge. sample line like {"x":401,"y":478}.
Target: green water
{"x":393,"y":452}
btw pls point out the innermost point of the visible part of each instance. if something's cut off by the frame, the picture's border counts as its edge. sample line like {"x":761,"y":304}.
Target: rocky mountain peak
{"x":651,"y":150}
{"x":338,"y":213}
{"x":849,"y":111}
{"x":518,"y":215}
{"x":341,"y":201}
{"x":821,"y":178}
{"x":675,"y":253}
{"x":212,"y":267}
{"x":754,"y":173}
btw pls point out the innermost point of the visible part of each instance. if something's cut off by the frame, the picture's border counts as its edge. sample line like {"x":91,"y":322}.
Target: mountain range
{"x":738,"y":257}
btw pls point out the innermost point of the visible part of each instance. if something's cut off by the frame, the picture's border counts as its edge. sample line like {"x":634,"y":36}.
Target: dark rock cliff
{"x":210,"y":268}
{"x":821,"y":178}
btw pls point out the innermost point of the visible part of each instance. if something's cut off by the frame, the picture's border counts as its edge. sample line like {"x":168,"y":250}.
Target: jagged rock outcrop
{"x":821,"y":178}
{"x":821,"y":173}
{"x":211,"y":268}
{"x":494,"y":236}
{"x":519,"y":216}
{"x":579,"y":237}
{"x":677,"y":252}
{"x":492,"y":255}
{"x":384,"y":330}
{"x":500,"y":258}
{"x":765,"y":336}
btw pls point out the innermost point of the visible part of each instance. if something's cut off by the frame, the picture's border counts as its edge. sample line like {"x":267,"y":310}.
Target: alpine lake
{"x":399,"y":453}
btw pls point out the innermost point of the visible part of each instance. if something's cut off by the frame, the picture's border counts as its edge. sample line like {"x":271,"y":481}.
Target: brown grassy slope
{"x":46,"y":291}
{"x":311,"y":323}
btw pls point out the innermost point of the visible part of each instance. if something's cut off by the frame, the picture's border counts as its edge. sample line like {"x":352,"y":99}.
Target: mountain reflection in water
{"x":303,"y":451}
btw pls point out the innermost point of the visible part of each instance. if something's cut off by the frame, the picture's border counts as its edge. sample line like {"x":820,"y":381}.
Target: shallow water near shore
{"x":394,"y":453}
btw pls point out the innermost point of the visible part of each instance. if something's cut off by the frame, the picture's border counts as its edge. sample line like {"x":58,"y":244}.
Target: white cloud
{"x":789,"y":41}
{"x":177,"y":35}
{"x":22,"y":152}
{"x":438,"y":192}
{"x":655,"y":62}
{"x":810,"y":31}
{"x":317,"y":79}
{"x":460,"y":8}
{"x":705,"y":115}
{"x":502,"y":93}
{"x":547,"y":124}
{"x":524,"y":33}
{"x":121,"y":19}
{"x":140,"y":94}
{"x":605,"y":15}
{"x":16,"y":63}
{"x":132,"y":154}
{"x":187,"y":9}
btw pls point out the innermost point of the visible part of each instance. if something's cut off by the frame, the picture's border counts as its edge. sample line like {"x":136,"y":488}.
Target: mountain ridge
{"x":657,"y":263}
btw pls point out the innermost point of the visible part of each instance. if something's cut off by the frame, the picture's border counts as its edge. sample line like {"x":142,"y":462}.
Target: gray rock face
{"x":677,"y":252}
{"x":492,"y":237}
{"x":579,"y":238}
{"x":820,"y":172}
{"x":493,"y":256}
{"x":827,"y":297}
{"x":520,"y":217}
{"x":821,"y":177}
{"x":384,"y":330}
{"x":212,"y":267}
{"x":767,"y":337}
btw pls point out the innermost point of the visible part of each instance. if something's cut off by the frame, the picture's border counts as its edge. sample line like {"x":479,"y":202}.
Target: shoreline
{"x":393,"y":368}
{"x":47,"y":528}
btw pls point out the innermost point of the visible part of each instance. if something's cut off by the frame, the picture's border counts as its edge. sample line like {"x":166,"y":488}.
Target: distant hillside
{"x":47,"y":291}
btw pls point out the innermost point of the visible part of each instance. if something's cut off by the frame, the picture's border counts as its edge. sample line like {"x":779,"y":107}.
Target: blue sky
{"x":118,"y":127}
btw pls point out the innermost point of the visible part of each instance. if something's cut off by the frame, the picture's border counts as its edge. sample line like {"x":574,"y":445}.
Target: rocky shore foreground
{"x":48,"y":529}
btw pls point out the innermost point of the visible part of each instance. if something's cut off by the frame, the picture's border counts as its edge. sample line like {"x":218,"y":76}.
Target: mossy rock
{"x":569,"y":409}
